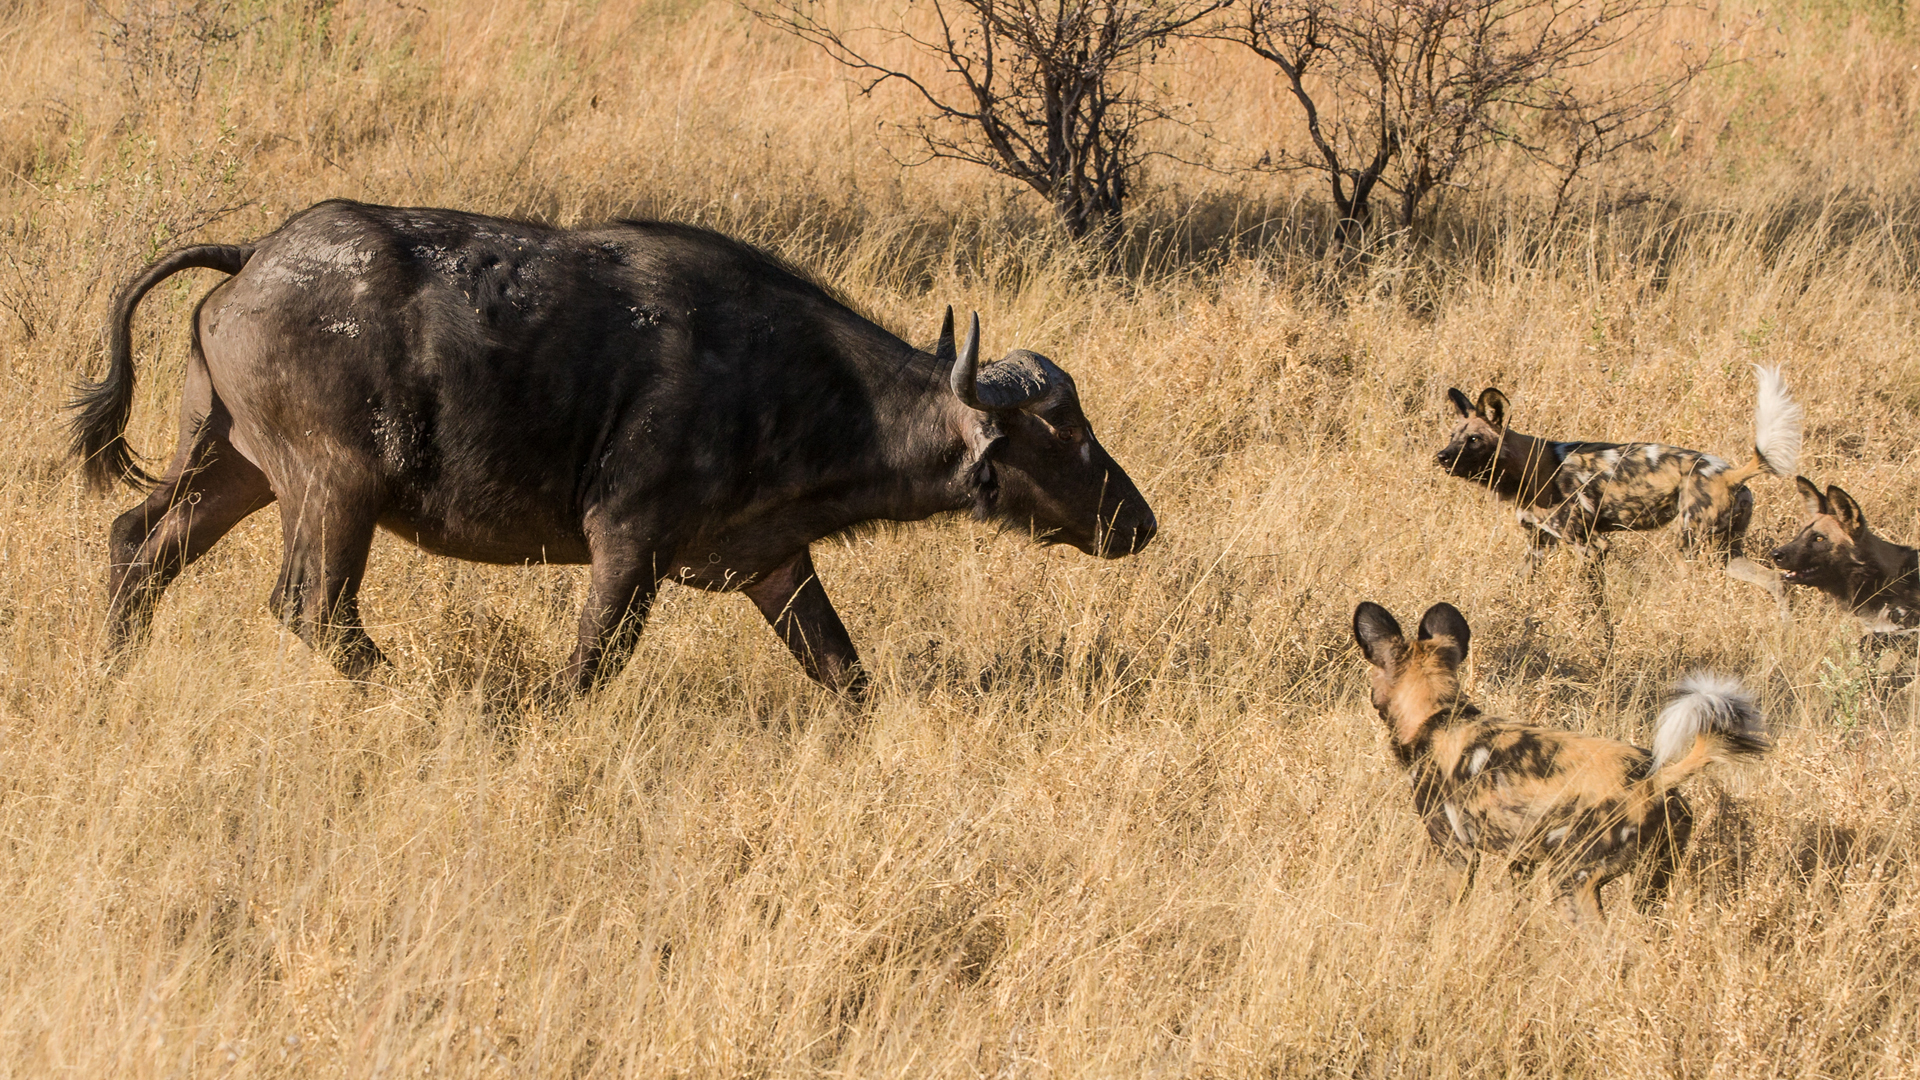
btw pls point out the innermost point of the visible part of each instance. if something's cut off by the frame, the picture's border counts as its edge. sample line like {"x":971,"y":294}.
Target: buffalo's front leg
{"x":797,"y":607}
{"x":620,"y":590}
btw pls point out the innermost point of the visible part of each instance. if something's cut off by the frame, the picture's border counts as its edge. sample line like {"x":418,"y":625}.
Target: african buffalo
{"x":653,"y":399}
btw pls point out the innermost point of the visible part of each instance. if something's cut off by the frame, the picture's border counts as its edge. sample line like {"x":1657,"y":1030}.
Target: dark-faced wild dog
{"x":1576,"y":492}
{"x":1877,"y":579}
{"x":1581,"y":807}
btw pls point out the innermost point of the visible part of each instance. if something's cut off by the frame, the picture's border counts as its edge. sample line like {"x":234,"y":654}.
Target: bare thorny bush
{"x":168,"y":44}
{"x":1406,"y":96}
{"x":1051,"y":93}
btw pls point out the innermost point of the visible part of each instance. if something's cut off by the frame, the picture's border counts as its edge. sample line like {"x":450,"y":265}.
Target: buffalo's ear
{"x":983,"y":438}
{"x":1846,"y":511}
{"x":1493,"y":407}
{"x":1378,"y":635}
{"x":1445,"y":621}
{"x":1810,"y":494}
{"x":1460,"y":403}
{"x":944,"y":351}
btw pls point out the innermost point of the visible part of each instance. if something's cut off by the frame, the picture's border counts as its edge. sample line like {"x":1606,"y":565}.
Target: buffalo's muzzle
{"x":1127,"y":538}
{"x":1143,"y":534}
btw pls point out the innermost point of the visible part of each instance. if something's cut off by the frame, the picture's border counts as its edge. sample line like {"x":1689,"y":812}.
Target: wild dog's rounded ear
{"x":1460,"y":402}
{"x":1846,"y":511}
{"x":1492,"y":407}
{"x":1810,"y":494}
{"x":1378,"y":634}
{"x":1445,"y":620}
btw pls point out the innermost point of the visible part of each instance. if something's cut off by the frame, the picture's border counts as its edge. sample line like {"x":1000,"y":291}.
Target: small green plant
{"x":1759,"y":337}
{"x":1846,"y":684}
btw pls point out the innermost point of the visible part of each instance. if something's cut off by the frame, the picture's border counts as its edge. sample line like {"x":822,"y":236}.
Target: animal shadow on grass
{"x":1036,"y":665}
{"x":1522,"y":654}
{"x":1891,"y":658}
{"x":494,"y":658}
{"x":1799,"y":875}
{"x":1830,"y":862}
{"x":957,"y":938}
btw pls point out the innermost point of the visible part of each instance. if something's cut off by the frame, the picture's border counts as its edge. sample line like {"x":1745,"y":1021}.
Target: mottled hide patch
{"x":404,"y":442}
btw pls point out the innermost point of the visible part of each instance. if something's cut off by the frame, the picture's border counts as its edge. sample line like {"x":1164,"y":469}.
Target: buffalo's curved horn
{"x":965,"y":367}
{"x":1014,"y":383}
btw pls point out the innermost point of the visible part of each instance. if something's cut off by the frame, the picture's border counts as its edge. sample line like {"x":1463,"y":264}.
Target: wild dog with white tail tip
{"x":1575,"y":492}
{"x":1582,"y":807}
{"x":1877,"y":579}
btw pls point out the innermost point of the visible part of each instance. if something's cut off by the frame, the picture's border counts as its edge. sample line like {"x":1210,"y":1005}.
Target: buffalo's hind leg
{"x":208,"y":490}
{"x":796,"y":606}
{"x":327,"y":529}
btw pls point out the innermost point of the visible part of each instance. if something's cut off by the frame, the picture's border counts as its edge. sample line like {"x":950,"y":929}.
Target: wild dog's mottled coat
{"x":1877,"y":579}
{"x":1582,"y":806}
{"x":1577,"y":491}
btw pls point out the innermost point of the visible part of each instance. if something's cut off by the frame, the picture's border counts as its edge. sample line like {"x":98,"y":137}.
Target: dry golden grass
{"x":1105,"y":819}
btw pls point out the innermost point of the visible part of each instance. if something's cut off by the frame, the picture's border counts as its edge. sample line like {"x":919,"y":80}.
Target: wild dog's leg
{"x":1571,"y":523}
{"x":327,"y":527}
{"x":1738,"y":518}
{"x":208,"y":490}
{"x":1574,"y":521}
{"x":1892,"y":658}
{"x":796,"y":606}
{"x":1730,"y":537}
{"x":1540,"y":541}
{"x":1579,"y":896}
{"x":1464,"y":865}
{"x":1704,"y":508}
{"x":1664,"y":842}
{"x":1574,"y":524}
{"x":1741,"y":568}
{"x":624,"y":578}
{"x":1468,"y":873}
{"x":1713,"y":517}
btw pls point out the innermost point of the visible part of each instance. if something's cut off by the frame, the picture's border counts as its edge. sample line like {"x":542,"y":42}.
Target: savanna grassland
{"x":1103,"y":818}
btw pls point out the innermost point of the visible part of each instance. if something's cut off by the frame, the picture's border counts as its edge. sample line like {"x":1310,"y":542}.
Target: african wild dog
{"x":1877,"y":579}
{"x":1581,"y":806}
{"x":1577,"y":491}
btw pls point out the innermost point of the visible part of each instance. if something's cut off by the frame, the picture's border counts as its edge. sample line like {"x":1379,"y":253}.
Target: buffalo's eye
{"x":1066,"y":433}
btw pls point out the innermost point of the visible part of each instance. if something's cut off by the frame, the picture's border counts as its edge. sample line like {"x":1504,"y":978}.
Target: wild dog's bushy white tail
{"x":1709,"y":718}
{"x":1777,"y":419}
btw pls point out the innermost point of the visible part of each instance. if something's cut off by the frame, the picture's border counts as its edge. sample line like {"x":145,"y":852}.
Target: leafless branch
{"x":1050,"y":93}
{"x":1405,"y":96}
